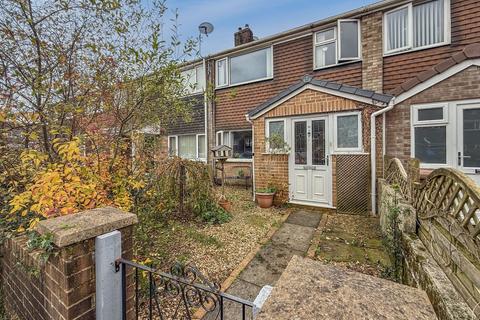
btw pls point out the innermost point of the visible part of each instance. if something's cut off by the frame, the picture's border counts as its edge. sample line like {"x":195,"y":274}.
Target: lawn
{"x":214,"y":249}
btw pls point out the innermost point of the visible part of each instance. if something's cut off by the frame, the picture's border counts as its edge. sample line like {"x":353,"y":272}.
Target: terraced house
{"x":396,"y":78}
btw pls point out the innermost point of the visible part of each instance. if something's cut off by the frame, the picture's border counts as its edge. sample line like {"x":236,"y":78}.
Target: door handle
{"x":327,"y":157}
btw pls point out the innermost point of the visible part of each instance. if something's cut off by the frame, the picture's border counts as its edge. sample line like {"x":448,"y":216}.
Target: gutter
{"x":373,"y":150}
{"x":253,"y":155}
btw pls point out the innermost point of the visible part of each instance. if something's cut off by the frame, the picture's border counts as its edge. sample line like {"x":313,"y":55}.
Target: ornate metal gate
{"x":184,"y":293}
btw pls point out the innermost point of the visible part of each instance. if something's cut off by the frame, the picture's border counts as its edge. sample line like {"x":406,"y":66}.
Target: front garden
{"x":215,"y":249}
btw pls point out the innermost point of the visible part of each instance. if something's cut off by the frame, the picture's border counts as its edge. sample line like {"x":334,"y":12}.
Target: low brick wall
{"x":62,"y":287}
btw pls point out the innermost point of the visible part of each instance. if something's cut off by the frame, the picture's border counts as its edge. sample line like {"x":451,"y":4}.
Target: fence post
{"x":413,"y":175}
{"x":108,"y":248}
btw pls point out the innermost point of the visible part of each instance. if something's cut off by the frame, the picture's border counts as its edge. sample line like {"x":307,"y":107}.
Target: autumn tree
{"x":90,"y":72}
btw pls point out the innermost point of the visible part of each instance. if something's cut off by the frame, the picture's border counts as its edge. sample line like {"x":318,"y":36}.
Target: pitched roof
{"x":342,"y":89}
{"x":471,"y":51}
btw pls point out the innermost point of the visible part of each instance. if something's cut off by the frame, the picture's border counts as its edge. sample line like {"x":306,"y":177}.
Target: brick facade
{"x":464,"y":85}
{"x":372,"y":52}
{"x":63,"y":287}
{"x":274,"y":168}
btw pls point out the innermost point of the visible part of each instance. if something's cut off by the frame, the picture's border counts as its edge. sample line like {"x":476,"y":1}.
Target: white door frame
{"x":327,"y":167}
{"x":460,"y":156}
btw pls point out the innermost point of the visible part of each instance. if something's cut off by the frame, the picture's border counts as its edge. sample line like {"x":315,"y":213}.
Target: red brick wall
{"x":61,"y":288}
{"x":463,"y":85}
{"x":465,"y":30}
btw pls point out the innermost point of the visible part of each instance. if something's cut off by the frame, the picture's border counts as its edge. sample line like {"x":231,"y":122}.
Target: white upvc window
{"x":276,"y":135}
{"x":348,"y":132}
{"x":244,"y":68}
{"x":429,"y":134}
{"x":188,"y":146}
{"x":241,"y":142}
{"x":194,"y":79}
{"x":418,"y":26}
{"x":338,"y":44}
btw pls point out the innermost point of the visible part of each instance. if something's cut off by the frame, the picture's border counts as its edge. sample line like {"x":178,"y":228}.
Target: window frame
{"x":415,"y":123}
{"x":228,"y":72}
{"x":230,"y":143}
{"x":217,"y":85}
{"x":359,"y":147}
{"x":336,"y":39}
{"x":339,"y":42}
{"x":197,"y":88}
{"x":169,"y":145}
{"x":267,"y":134}
{"x":409,"y":47}
{"x":176,"y":136}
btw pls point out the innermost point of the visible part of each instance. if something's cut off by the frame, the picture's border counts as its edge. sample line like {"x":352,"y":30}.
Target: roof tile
{"x":459,"y":57}
{"x":384,"y":98}
{"x":445,"y":65}
{"x":425,"y":75}
{"x":472,"y":50}
{"x":409,"y":84}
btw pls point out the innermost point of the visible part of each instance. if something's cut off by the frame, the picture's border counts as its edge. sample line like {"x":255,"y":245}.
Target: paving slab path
{"x":292,"y":238}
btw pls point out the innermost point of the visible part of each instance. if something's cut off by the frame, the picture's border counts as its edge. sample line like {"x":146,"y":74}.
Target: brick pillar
{"x":372,"y":52}
{"x":62,"y":287}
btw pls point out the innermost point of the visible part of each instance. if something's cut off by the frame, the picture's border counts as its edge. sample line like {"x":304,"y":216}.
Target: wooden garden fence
{"x":447,"y":205}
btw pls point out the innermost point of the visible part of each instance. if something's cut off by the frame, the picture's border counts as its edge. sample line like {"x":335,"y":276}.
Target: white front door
{"x":310,"y":181}
{"x":468,"y":153}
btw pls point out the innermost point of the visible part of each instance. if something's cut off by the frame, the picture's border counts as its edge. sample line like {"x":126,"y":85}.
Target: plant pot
{"x":226,"y":205}
{"x":264,"y":199}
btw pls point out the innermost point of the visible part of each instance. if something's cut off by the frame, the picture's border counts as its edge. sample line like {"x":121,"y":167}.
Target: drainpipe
{"x":373,"y":148}
{"x":253,"y":155}
{"x":205,"y":109}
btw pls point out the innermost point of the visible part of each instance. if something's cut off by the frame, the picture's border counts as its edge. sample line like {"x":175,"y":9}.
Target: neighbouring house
{"x":395,"y":78}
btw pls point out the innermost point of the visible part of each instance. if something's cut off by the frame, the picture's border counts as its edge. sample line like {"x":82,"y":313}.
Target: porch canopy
{"x":330,"y":87}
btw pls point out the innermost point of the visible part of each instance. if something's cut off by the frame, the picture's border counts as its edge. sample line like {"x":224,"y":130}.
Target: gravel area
{"x":214,"y":249}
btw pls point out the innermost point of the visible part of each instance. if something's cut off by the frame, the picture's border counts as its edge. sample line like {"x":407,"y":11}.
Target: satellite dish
{"x":205,"y":28}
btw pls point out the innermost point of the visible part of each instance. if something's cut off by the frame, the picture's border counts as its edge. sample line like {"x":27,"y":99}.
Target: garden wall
{"x":62,"y":287}
{"x":421,"y":268}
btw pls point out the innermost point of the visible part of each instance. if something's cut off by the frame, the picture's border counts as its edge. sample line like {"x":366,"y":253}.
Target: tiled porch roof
{"x":329,"y":85}
{"x":471,"y":51}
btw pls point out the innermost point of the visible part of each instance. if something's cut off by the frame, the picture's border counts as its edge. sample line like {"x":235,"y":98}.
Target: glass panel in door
{"x":318,"y":142}
{"x":471,"y":138}
{"x":300,"y":136}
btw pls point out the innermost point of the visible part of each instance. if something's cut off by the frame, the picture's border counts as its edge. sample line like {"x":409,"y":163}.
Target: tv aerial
{"x":205,"y":28}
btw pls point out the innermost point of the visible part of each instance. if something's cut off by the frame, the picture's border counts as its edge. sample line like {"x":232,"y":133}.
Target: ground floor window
{"x":188,"y":146}
{"x":348,"y":132}
{"x":240,"y":141}
{"x":447,"y":134}
{"x":430,"y":133}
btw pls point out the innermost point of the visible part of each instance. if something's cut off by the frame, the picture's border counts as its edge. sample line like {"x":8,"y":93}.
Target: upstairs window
{"x":345,"y":37}
{"x":249,"y":67}
{"x":417,"y":26}
{"x":194,"y":79}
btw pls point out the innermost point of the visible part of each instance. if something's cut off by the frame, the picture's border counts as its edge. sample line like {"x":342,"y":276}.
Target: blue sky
{"x":265,"y":17}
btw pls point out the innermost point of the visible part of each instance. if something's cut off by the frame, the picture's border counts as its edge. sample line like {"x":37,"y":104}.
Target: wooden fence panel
{"x":447,"y":205}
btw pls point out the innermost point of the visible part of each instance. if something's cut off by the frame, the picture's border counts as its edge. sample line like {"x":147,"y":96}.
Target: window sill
{"x":386,"y":54}
{"x":239,"y":160}
{"x":275,"y":153}
{"x":242,"y":83}
{"x":336,"y":65}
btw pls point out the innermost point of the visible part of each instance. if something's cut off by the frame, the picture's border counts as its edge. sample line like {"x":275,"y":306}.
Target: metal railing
{"x":176,"y":295}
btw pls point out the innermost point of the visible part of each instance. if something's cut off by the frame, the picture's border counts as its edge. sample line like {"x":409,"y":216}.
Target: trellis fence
{"x":447,"y":205}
